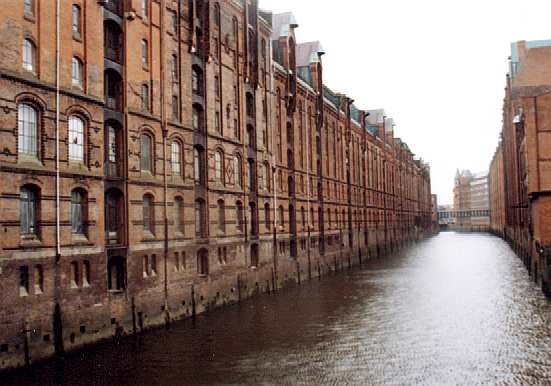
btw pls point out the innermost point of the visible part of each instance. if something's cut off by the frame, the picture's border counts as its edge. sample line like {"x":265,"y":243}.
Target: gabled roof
{"x":282,"y":23}
{"x":375,"y":117}
{"x":307,"y":53}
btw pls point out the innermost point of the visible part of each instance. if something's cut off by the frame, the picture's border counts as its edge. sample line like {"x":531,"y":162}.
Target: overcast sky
{"x":436,"y":66}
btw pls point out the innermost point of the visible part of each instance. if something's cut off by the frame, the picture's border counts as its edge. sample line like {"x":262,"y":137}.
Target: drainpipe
{"x":57,"y":79}
{"x":274,"y":169}
{"x":165,"y":186}
{"x":308,"y":187}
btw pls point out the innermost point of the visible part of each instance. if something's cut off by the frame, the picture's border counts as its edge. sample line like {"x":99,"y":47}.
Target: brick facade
{"x":215,"y":164}
{"x":520,"y":170}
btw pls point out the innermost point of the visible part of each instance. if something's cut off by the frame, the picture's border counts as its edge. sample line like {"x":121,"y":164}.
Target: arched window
{"x":29,"y":55}
{"x":29,"y":210}
{"x":200,"y":220}
{"x":217,"y":15}
{"x":79,"y":211}
{"x":27,"y":126}
{"x":145,"y":97}
{"x":203,"y":262}
{"x":176,"y":158}
{"x":198,"y":165}
{"x":148,"y":213}
{"x":179,"y":215}
{"x":267,"y":216}
{"x":146,"y":153}
{"x":76,"y":139}
{"x":76,"y":21}
{"x":77,"y":72}
{"x":221,"y":216}
{"x":238,"y":169}
{"x":218,"y":173}
{"x":24,"y":281}
{"x":239,"y":215}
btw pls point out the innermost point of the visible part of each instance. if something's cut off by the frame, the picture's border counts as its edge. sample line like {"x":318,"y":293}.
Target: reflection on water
{"x":454,"y":309}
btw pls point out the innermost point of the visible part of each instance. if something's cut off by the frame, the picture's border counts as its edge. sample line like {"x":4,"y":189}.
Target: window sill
{"x":77,"y":37}
{"x":148,"y":236}
{"x":30,"y":241}
{"x":79,"y":239}
{"x":30,"y":17}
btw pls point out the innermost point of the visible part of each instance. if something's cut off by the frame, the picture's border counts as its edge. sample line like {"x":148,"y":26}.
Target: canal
{"x":453,"y":309}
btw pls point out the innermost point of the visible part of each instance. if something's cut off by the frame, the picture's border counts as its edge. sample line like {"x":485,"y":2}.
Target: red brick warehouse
{"x":183,"y":155}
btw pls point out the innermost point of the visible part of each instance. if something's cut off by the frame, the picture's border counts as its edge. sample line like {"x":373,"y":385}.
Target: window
{"x":238,"y":171}
{"x":114,"y":216}
{"x":145,"y":54}
{"x":268,"y":182}
{"x":217,"y":125}
{"x":76,"y":139}
{"x":146,"y":153}
{"x":174,"y":68}
{"x":29,"y":7}
{"x":145,"y":266}
{"x":281,"y":215}
{"x":251,"y":174}
{"x":196,"y":80}
{"x":200,"y":224}
{"x":38,"y":279}
{"x":198,"y":165}
{"x":28,"y":210}
{"x":217,"y":86}
{"x":78,"y":211}
{"x":23,"y":281}
{"x":236,"y":131}
{"x":145,"y":97}
{"x":153,"y":265}
{"x":27,"y":122}
{"x":218,"y":166}
{"x":173,"y":22}
{"x":112,"y":151}
{"x":203,"y":262}
{"x":148,"y":213}
{"x":74,"y":274}
{"x":77,"y":70}
{"x":29,"y":55}
{"x":197,"y":118}
{"x":76,"y":21}
{"x":116,"y":274}
{"x":145,"y":9}
{"x":86,"y":278}
{"x":239,"y":215}
{"x":217,"y":15}
{"x":267,"y":219}
{"x":175,"y":108}
{"x":176,"y":158}
{"x":179,"y":215}
{"x":221,"y":216}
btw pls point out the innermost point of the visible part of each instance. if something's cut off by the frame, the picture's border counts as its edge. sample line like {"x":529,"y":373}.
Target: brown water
{"x":454,"y":309}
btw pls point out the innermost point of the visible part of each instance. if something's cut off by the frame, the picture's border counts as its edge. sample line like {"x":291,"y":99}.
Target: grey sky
{"x":437,"y":67}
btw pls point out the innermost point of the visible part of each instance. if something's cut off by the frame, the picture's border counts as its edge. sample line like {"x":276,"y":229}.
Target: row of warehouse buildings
{"x":520,"y":171}
{"x":159,"y":158}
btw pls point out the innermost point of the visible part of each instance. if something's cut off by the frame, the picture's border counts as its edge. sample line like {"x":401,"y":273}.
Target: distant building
{"x":471,"y":200}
